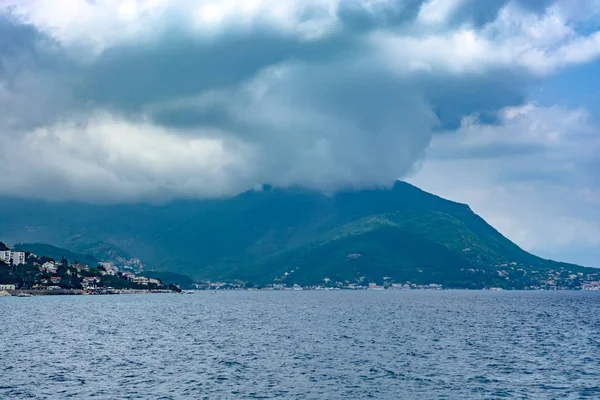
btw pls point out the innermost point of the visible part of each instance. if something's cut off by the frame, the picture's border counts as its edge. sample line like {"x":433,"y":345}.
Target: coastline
{"x":78,"y":292}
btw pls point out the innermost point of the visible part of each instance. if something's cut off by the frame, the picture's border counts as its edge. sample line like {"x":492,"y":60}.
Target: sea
{"x":302,"y":345}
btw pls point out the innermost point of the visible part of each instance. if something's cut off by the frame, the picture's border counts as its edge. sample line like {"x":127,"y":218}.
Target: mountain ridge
{"x":56,"y":253}
{"x":262,"y":235}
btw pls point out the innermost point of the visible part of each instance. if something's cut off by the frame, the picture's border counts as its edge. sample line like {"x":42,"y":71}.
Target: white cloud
{"x":437,"y":11}
{"x":106,"y":156}
{"x":540,"y":44}
{"x":276,"y":131}
{"x":106,"y":23}
{"x":517,"y":37}
{"x":558,"y":133}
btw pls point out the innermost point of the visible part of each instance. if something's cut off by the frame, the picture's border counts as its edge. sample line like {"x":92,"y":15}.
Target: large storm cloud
{"x":126,"y":100}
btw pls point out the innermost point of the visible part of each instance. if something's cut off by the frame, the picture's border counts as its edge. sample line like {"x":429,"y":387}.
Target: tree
{"x":61,"y":270}
{"x":174,"y":288}
{"x":45,"y":259}
{"x":75,"y":282}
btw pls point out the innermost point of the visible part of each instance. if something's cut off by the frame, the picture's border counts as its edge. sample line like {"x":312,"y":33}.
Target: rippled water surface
{"x":304,"y":345}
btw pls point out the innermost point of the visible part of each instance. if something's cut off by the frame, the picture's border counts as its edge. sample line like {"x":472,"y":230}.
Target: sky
{"x":491,"y":103}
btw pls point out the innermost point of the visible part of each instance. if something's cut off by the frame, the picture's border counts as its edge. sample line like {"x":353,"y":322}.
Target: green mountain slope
{"x":56,"y":253}
{"x":404,"y":233}
{"x":375,"y":254}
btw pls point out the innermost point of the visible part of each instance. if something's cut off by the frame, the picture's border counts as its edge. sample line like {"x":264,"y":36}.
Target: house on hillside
{"x":141,"y":280}
{"x":80,"y":267}
{"x":128,"y":276}
{"x":49,"y":267}
{"x":90,"y":282}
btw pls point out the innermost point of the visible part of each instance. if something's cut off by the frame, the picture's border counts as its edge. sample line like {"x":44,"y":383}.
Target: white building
{"x":5,"y":256}
{"x":128,"y":276}
{"x":141,"y":280}
{"x":18,"y":257}
{"x":7,"y":287}
{"x":14,"y":257}
{"x":49,"y":267}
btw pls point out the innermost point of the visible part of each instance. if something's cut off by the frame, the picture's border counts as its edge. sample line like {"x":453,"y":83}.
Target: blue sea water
{"x":302,"y":345}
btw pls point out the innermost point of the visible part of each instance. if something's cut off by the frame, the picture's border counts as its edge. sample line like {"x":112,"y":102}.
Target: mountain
{"x":56,"y":253}
{"x":291,"y":235}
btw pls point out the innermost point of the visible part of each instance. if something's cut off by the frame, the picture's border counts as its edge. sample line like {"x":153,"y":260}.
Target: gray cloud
{"x":209,"y":99}
{"x":35,"y":82}
{"x":179,"y":65}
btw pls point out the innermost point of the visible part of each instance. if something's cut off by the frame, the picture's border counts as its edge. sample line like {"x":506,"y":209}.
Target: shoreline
{"x":78,"y":292}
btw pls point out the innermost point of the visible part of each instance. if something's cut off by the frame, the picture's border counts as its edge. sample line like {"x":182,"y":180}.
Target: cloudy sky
{"x":493,"y":103}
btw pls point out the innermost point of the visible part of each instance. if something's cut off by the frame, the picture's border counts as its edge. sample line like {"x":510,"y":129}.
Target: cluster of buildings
{"x":12,"y":257}
{"x":111,"y":269}
{"x":51,"y":267}
{"x":54,"y":278}
{"x":104,"y":268}
{"x":540,"y":279}
{"x":328,"y":284}
{"x":353,"y":286}
{"x":557,"y":280}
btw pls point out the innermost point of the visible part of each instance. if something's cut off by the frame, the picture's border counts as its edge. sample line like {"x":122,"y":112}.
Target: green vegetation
{"x":403,"y":234}
{"x":99,"y":249}
{"x":56,"y":253}
{"x":29,"y":276}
